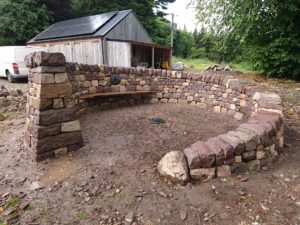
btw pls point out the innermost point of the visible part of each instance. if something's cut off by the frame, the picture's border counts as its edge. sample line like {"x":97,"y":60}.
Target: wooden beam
{"x":108,"y":94}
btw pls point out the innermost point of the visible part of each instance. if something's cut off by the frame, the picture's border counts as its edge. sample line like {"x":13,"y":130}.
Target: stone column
{"x":52,"y":125}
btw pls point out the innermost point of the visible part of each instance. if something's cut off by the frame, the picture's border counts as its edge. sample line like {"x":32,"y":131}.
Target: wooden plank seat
{"x":109,"y":94}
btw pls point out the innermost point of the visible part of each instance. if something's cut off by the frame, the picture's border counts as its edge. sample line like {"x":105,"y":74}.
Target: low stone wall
{"x":252,"y":146}
{"x":54,"y":104}
{"x":205,"y":90}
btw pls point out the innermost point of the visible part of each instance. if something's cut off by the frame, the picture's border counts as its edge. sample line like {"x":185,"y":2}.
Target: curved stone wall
{"x":54,"y":103}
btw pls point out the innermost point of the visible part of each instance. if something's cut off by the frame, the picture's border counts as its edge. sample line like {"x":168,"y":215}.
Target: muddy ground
{"x":114,"y":180}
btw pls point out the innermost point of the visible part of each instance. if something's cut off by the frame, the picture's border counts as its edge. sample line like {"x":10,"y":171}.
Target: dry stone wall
{"x":55,"y":101}
{"x":205,"y":90}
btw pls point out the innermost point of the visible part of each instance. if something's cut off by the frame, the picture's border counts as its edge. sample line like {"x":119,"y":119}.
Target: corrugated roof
{"x":97,"y":25}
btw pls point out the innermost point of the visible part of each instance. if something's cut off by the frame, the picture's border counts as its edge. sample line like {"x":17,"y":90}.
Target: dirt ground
{"x":113,"y":179}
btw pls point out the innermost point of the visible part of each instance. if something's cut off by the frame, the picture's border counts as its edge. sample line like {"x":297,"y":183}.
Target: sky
{"x":183,"y":15}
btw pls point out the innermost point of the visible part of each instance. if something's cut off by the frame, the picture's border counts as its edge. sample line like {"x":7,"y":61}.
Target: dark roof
{"x":97,"y":25}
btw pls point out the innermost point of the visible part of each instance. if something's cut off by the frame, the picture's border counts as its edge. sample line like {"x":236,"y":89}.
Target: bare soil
{"x":114,"y":177}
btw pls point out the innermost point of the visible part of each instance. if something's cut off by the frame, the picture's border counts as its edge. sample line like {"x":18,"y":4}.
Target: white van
{"x":12,"y":63}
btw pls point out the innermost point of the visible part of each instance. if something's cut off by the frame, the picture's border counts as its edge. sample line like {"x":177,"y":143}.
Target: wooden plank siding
{"x":87,"y":51}
{"x":129,"y":29}
{"x":118,"y":53}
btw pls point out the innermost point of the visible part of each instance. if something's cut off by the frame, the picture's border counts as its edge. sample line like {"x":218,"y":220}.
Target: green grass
{"x":2,"y":117}
{"x":202,"y":64}
{"x":12,"y":203}
{"x":3,"y":223}
{"x":81,"y":215}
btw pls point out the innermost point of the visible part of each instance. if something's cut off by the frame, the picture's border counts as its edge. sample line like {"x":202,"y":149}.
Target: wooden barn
{"x":114,"y":39}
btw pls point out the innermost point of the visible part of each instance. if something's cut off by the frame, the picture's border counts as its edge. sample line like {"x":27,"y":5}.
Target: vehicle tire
{"x":10,"y":78}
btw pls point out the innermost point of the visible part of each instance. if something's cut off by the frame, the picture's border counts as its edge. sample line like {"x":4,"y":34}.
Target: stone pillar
{"x":52,"y":125}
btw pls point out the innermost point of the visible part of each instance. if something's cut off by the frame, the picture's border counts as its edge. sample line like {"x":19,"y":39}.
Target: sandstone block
{"x":102,"y":82}
{"x":238,"y":144}
{"x":58,"y":103}
{"x":174,"y":166}
{"x":42,"y":78}
{"x":49,"y":69}
{"x":254,"y":165}
{"x":69,"y":102}
{"x":86,"y":84}
{"x":248,"y":156}
{"x":159,"y":95}
{"x":139,"y":88}
{"x":237,"y":168}
{"x":193,"y":158}
{"x":172,"y":100}
{"x":43,"y":131}
{"x":49,"y":59}
{"x":54,"y":90}
{"x":154,"y":100}
{"x":92,"y":90}
{"x":55,"y":142}
{"x":80,"y":78}
{"x":40,"y":103}
{"x":201,"y":105}
{"x":225,"y":95}
{"x":224,"y":152}
{"x":146,"y":88}
{"x":142,"y":82}
{"x":60,"y":152}
{"x":207,"y":157}
{"x":248,"y":139}
{"x":190,"y":98}
{"x":180,"y":101}
{"x":223,"y":110}
{"x":71,"y":126}
{"x":203,"y":174}
{"x":261,"y":154}
{"x":49,"y":117}
{"x":122,"y":88}
{"x":223,"y":171}
{"x":95,"y":83}
{"x":217,"y":109}
{"x":238,"y":159}
{"x":61,"y":78}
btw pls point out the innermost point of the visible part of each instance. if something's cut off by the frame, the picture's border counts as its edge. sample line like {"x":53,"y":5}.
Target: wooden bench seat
{"x":108,"y":94}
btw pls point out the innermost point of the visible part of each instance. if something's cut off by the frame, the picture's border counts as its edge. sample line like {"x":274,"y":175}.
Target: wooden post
{"x":153,"y":51}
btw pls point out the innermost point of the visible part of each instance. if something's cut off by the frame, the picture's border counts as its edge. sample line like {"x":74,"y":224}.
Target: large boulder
{"x":174,"y":166}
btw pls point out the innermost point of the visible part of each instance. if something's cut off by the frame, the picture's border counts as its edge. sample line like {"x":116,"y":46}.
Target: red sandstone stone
{"x":207,"y":157}
{"x":217,"y":150}
{"x":193,"y":158}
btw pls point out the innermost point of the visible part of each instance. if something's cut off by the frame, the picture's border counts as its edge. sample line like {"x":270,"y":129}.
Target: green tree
{"x":267,"y":31}
{"x":183,"y":43}
{"x":20,"y":20}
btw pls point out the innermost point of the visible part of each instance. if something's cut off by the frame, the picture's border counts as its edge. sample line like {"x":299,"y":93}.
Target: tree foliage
{"x":20,"y":20}
{"x":268,"y":32}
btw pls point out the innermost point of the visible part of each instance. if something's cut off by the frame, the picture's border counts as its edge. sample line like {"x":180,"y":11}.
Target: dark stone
{"x":49,"y":117}
{"x":49,"y":59}
{"x":44,"y":131}
{"x":55,"y":142}
{"x":217,"y":150}
{"x":248,"y":156}
{"x":239,"y":168}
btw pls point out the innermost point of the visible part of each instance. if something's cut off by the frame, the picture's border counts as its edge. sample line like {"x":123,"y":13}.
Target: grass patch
{"x":12,"y":203}
{"x":202,"y":64}
{"x":3,"y":223}
{"x":81,"y":215}
{"x":2,"y":117}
